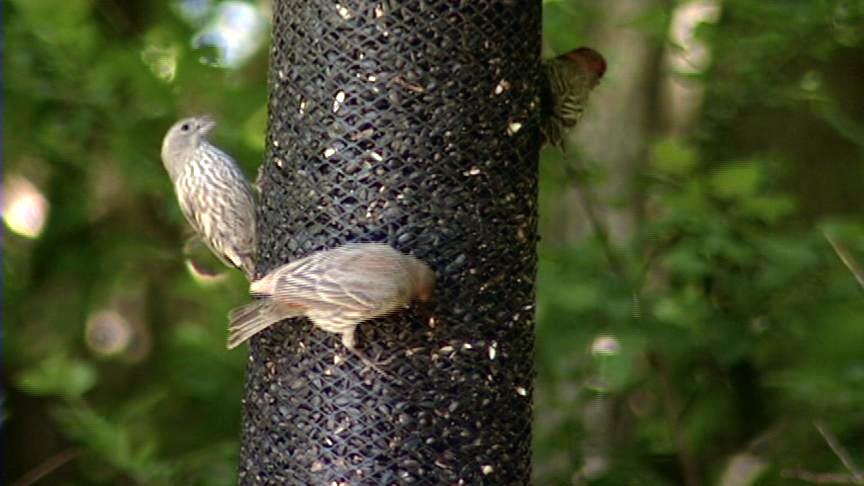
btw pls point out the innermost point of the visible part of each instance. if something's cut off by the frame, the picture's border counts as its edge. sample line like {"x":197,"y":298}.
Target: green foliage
{"x":718,"y":280}
{"x":671,"y":157}
{"x":89,"y":90}
{"x":735,"y":321}
{"x":58,"y":375}
{"x":112,"y":442}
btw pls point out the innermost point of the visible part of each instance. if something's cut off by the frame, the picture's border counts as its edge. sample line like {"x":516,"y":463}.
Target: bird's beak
{"x":205,"y":124}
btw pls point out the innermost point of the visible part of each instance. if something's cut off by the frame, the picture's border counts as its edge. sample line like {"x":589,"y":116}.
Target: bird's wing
{"x":227,"y":227}
{"x":242,"y":239}
{"x":202,"y":222}
{"x":351,"y":278}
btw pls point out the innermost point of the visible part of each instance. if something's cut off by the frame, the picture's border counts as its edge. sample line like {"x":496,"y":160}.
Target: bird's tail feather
{"x":252,"y":318}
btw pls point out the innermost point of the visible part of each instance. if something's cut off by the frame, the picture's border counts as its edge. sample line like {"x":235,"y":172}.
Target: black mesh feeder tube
{"x":412,"y":123}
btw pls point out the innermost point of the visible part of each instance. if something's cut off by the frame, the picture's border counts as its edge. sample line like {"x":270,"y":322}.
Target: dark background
{"x":696,"y":322}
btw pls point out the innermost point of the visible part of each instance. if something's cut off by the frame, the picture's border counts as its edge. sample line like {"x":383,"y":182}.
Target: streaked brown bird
{"x":567,"y":83}
{"x":212,"y":191}
{"x":336,"y":289}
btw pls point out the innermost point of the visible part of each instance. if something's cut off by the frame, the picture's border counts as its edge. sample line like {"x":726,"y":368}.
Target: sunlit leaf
{"x":671,"y":156}
{"x":736,"y":181}
{"x":59,"y":375}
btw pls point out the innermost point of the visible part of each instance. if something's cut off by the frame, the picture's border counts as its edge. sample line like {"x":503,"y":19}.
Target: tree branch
{"x":846,"y":258}
{"x":47,"y":467}
{"x":597,"y":224}
{"x":839,"y":450}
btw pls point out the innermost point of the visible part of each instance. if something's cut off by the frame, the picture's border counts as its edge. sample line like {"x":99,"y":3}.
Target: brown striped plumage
{"x":336,"y":289}
{"x":568,"y":81}
{"x":213,"y":193}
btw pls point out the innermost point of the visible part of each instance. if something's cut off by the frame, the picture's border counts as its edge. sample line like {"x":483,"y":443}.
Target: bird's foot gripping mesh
{"x":412,"y":123}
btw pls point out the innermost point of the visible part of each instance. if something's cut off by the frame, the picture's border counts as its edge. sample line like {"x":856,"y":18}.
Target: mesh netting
{"x":412,"y":123}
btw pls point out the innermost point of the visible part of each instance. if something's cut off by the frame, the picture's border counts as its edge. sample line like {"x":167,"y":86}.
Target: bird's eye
{"x":184,"y":127}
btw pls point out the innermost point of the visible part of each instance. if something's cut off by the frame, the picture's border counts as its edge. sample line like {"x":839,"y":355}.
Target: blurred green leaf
{"x":673,"y":157}
{"x":685,"y":310}
{"x":736,"y":181}
{"x":770,"y":209}
{"x":617,"y":369}
{"x":686,"y":261}
{"x":59,"y":375}
{"x":113,"y":441}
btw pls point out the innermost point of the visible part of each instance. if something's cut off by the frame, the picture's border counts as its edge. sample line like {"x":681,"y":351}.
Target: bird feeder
{"x":412,"y":123}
